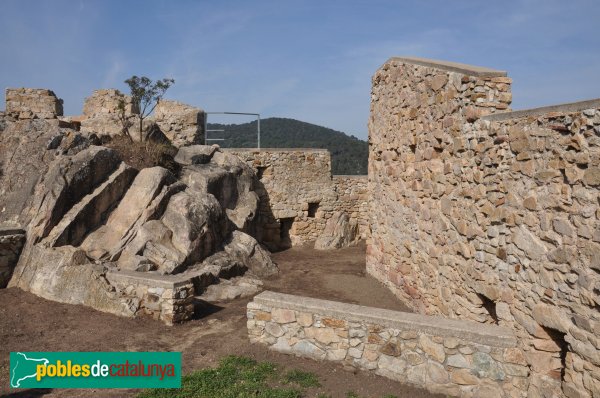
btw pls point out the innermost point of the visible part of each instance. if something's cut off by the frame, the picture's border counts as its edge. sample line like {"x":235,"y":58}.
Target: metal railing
{"x":206,"y":130}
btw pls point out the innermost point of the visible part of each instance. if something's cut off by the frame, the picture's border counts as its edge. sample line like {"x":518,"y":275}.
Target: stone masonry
{"x":182,"y":124}
{"x":163,"y":297}
{"x":298,"y":194}
{"x":32,"y":103}
{"x":457,"y":358}
{"x":488,"y":215}
{"x":101,"y":112}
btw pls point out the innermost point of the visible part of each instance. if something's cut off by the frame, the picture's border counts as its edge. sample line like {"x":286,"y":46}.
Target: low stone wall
{"x":458,"y":358}
{"x":32,"y":103}
{"x":168,"y":298}
{"x":298,"y":192}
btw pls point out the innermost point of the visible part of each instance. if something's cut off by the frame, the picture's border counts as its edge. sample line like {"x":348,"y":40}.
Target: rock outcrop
{"x":339,"y":232}
{"x":101,"y":234}
{"x":11,"y":243}
{"x":81,"y":226}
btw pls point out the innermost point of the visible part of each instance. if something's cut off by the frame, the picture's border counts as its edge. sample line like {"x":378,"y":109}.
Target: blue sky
{"x":308,"y":60}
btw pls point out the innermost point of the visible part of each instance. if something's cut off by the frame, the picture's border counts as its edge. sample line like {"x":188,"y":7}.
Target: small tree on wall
{"x":146,"y":94}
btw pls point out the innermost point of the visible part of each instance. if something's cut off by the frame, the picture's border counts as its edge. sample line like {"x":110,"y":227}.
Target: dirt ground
{"x":29,"y":323}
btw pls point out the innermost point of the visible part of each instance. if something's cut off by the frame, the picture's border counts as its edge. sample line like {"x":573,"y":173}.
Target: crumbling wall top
{"x":33,"y":103}
{"x":471,"y":70}
{"x":535,"y":112}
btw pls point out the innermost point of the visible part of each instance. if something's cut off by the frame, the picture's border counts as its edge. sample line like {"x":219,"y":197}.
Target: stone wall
{"x":101,"y":113}
{"x":298,"y":192}
{"x":168,"y":298}
{"x":458,"y":358}
{"x":496,"y":217}
{"x":182,"y":124}
{"x":32,"y":103}
{"x":352,"y":198}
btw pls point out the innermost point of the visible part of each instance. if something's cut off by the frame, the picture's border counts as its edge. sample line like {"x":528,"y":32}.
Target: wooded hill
{"x":349,"y":155}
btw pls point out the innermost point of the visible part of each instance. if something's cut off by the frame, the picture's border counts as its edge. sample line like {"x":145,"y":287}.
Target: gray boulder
{"x":197,"y":222}
{"x":231,"y":289}
{"x":339,"y":232}
{"x":195,"y":154}
{"x":23,"y":162}
{"x":148,"y":184}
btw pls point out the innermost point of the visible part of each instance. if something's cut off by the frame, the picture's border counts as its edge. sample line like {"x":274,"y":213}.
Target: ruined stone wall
{"x":458,"y":358}
{"x":352,"y":198}
{"x":101,"y":113}
{"x":182,"y":124}
{"x":495,"y":217}
{"x":296,"y":186}
{"x":32,"y":103}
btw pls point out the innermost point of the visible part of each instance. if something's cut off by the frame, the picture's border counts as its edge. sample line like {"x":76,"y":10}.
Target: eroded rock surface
{"x":339,"y":232}
{"x":103,"y":235}
{"x":11,"y":243}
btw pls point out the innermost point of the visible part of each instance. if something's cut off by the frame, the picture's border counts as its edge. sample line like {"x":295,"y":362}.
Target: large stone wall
{"x":495,"y":217}
{"x":458,"y":358}
{"x":32,"y":103}
{"x":298,"y":192}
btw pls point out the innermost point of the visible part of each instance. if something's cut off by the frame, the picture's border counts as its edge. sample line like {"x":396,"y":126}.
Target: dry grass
{"x":141,"y":155}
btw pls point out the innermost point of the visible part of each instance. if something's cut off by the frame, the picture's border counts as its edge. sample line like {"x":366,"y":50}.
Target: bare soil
{"x":30,"y":323}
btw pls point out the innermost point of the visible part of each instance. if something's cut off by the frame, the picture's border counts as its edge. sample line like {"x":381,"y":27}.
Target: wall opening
{"x":559,"y":339}
{"x":260,"y":171}
{"x":312,"y":209}
{"x":285,"y":225}
{"x":490,"y":307}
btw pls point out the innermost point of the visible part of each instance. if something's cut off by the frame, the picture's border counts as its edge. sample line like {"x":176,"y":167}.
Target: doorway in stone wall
{"x":285,"y":226}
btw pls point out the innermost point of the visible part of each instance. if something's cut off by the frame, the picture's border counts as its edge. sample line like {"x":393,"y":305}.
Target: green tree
{"x":146,"y":94}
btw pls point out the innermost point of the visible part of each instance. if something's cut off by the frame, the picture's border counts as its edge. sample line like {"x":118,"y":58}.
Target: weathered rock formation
{"x":11,"y":243}
{"x":339,"y":232}
{"x":102,"y":234}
